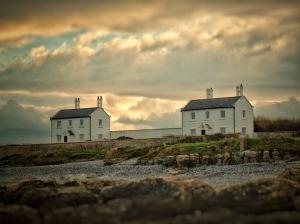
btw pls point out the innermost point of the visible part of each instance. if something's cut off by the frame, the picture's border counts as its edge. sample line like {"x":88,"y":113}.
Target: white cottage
{"x":80,"y":124}
{"x":218,"y":115}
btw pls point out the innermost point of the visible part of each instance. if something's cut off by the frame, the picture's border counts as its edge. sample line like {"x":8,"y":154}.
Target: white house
{"x":80,"y":124}
{"x":218,"y":115}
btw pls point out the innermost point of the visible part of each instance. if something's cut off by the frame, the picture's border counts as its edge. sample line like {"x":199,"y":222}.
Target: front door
{"x":65,"y":138}
{"x":202,"y":132}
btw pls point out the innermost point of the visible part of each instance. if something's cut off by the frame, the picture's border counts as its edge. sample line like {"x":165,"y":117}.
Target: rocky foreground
{"x":177,"y":199}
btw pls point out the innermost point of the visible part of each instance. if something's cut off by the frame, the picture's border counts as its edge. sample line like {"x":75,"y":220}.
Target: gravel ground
{"x":216,"y":176}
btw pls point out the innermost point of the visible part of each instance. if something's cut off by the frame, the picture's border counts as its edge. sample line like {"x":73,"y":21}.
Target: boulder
{"x":18,"y":214}
{"x":194,"y":160}
{"x":276,"y":156}
{"x":161,"y":197}
{"x":220,"y":158}
{"x":169,"y":161}
{"x":183,"y":161}
{"x":206,"y":160}
{"x":227,"y":159}
{"x":291,"y":173}
{"x":261,"y":196}
{"x":266,"y":156}
{"x":250,"y":156}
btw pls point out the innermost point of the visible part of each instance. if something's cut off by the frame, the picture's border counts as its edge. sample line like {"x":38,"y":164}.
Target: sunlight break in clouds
{"x":148,"y":58}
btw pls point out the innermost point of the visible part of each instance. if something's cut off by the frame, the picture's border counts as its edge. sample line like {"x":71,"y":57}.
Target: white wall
{"x":76,"y":128}
{"x":215,"y":121}
{"x":104,"y":130}
{"x":146,"y":133}
{"x":248,"y":121}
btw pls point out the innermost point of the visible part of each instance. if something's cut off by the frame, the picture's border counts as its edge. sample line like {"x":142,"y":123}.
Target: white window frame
{"x":223,"y":130}
{"x":193,"y":132}
{"x":100,"y":123}
{"x":100,"y":136}
{"x":193,"y":115}
{"x":223,"y":112}
{"x":244,"y":130}
{"x":70,"y":123}
{"x":81,"y":122}
{"x":207,"y":114}
{"x":58,"y":138}
{"x":243,"y":113}
{"x":58,"y":124}
{"x":81,"y":137}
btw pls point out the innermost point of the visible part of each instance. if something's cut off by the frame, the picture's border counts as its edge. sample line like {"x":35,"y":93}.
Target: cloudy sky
{"x":146,"y":58}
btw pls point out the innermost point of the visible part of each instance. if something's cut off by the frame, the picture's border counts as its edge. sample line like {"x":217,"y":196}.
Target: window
{"x":58,"y":137}
{"x":70,"y":123}
{"x":207,"y":114}
{"x":193,"y":132}
{"x":100,"y":123}
{"x":81,"y":136}
{"x":193,"y":115}
{"x":81,"y":122}
{"x":58,"y":124}
{"x":222,"y":113}
{"x":244,"y":114}
{"x":100,"y":136}
{"x":244,"y":130}
{"x":223,"y":130}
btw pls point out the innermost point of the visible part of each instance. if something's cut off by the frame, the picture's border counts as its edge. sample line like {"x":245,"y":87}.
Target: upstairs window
{"x":207,"y":114}
{"x":70,"y":123}
{"x":222,"y":113}
{"x":58,"y":124}
{"x":244,"y":113}
{"x":193,"y":115}
{"x":81,"y":122}
{"x":100,"y":123}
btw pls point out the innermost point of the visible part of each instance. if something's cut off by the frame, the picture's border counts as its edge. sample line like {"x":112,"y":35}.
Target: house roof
{"x":74,"y":113}
{"x":200,"y":104}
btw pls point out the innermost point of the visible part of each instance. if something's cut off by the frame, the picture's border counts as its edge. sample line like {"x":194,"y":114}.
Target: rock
{"x":220,"y":158}
{"x":291,"y":173}
{"x":276,"y":156}
{"x":250,"y":156}
{"x":206,"y":160}
{"x":158,"y":161}
{"x":266,"y":156}
{"x":227,"y":159}
{"x":91,"y":214}
{"x":183,"y":161}
{"x":169,"y":161}
{"x":160,"y":197}
{"x":111,"y":161}
{"x":261,"y":196}
{"x":194,"y":160}
{"x":18,"y":214}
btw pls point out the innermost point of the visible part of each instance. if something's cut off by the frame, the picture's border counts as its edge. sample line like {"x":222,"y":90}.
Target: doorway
{"x":203,"y":132}
{"x":65,"y":138}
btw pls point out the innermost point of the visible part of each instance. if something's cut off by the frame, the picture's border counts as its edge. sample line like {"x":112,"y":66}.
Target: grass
{"x":81,"y":154}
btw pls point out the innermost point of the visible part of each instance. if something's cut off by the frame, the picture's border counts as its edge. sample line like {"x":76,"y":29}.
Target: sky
{"x":146,"y":58}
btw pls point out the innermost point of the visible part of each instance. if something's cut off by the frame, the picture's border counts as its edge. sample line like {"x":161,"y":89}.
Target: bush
{"x":262,"y":124}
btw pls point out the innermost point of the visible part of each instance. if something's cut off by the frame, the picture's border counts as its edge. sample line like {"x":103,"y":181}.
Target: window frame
{"x":207,"y":114}
{"x":81,"y":137}
{"x":70,"y":123}
{"x":58,"y":138}
{"x":193,"y":132}
{"x":223,"y":112}
{"x":244,"y":113}
{"x":193,"y":116}
{"x":223,"y":130}
{"x":81,"y":122}
{"x":100,"y":123}
{"x":58,"y":124}
{"x":244,"y":132}
{"x":100,"y":136}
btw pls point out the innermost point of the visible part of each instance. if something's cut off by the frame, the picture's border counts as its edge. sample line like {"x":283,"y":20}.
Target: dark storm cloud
{"x":22,"y":125}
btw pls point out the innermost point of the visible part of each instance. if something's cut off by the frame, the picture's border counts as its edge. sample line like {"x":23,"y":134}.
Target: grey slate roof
{"x":225,"y":102}
{"x":74,"y":113}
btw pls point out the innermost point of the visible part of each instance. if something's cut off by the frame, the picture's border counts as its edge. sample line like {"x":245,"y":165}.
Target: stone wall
{"x":8,"y":150}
